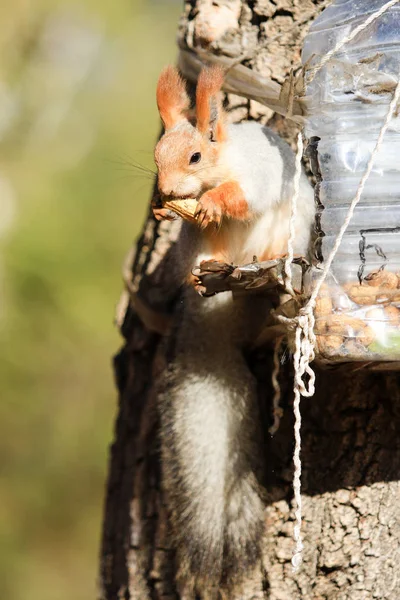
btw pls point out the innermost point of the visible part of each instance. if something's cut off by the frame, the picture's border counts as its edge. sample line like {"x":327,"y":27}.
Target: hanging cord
{"x":277,"y":410}
{"x":314,"y":70}
{"x":292,"y":230}
{"x":276,"y":407}
{"x":303,"y":324}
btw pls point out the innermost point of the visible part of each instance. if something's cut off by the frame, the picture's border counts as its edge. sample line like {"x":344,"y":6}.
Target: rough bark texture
{"x":351,"y":447}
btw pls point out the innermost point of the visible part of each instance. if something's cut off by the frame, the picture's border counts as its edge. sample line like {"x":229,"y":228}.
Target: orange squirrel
{"x":242,"y":174}
{"x":211,"y":449}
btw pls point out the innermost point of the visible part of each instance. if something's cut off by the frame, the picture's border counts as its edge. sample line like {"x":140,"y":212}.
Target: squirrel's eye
{"x":195,"y":158}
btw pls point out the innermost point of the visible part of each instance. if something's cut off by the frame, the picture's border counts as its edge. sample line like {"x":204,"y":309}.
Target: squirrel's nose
{"x":164,"y":185}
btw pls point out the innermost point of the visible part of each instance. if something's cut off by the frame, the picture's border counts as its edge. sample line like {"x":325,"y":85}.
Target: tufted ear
{"x":172,"y":98}
{"x":209,"y":111}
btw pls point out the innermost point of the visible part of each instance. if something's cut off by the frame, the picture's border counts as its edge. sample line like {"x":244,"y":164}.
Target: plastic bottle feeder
{"x":357,"y":315}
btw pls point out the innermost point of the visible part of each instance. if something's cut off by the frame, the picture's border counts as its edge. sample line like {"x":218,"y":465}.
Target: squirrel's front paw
{"x":163,"y":214}
{"x":208,"y":211}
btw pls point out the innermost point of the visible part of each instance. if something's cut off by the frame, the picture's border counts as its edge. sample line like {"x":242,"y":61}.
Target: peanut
{"x":328,"y":344}
{"x":393,"y":315}
{"x":382,"y":279}
{"x":323,"y":304}
{"x":362,"y":294}
{"x":185,"y":207}
{"x":350,"y":327}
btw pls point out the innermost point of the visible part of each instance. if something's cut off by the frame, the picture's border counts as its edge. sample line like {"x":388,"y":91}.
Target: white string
{"x":292,"y":231}
{"x":304,"y":322}
{"x":314,"y":70}
{"x":276,"y":407}
{"x":303,"y":356}
{"x":297,"y":556}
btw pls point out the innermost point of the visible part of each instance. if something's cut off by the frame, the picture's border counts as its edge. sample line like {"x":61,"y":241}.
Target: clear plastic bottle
{"x":358,"y":310}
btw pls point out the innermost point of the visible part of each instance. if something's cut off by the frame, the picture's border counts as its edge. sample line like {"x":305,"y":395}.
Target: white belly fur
{"x":265,"y":237}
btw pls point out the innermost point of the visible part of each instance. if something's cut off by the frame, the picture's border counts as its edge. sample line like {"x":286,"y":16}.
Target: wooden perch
{"x":266,"y":276}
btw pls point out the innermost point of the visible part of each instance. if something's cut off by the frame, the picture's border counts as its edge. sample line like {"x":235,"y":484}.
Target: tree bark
{"x":350,"y":448}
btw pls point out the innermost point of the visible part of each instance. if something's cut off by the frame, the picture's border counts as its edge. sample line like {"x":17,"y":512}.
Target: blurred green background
{"x":77,"y":104}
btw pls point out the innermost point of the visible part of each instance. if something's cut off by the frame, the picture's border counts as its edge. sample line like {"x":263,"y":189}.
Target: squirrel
{"x":211,"y":439}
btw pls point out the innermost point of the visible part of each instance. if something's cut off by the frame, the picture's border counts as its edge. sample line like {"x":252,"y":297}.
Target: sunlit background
{"x":77,"y":106}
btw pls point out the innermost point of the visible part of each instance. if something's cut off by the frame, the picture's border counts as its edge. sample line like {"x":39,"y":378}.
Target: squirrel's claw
{"x":207,"y":211}
{"x":163,"y":214}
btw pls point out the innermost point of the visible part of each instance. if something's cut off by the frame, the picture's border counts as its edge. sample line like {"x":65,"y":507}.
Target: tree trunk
{"x":351,"y":447}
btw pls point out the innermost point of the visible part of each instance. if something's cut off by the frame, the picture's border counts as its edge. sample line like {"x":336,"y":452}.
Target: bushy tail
{"x":211,"y":450}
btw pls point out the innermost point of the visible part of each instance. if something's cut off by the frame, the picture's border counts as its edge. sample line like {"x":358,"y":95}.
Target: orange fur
{"x":208,"y":87}
{"x":231,"y":202}
{"x":230,"y":198}
{"x":172,"y":98}
{"x":191,"y":280}
{"x":273,"y":252}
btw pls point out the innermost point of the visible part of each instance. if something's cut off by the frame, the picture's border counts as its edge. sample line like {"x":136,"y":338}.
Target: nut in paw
{"x":208,"y":211}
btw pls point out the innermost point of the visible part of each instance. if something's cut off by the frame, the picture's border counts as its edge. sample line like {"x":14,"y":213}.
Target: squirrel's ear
{"x":209,"y":111}
{"x":172,"y":98}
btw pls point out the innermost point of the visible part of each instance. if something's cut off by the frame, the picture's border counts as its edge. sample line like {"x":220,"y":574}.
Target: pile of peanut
{"x":345,"y":330}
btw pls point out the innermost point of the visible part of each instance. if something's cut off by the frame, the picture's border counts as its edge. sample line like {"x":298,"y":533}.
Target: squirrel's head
{"x":187,"y":154}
